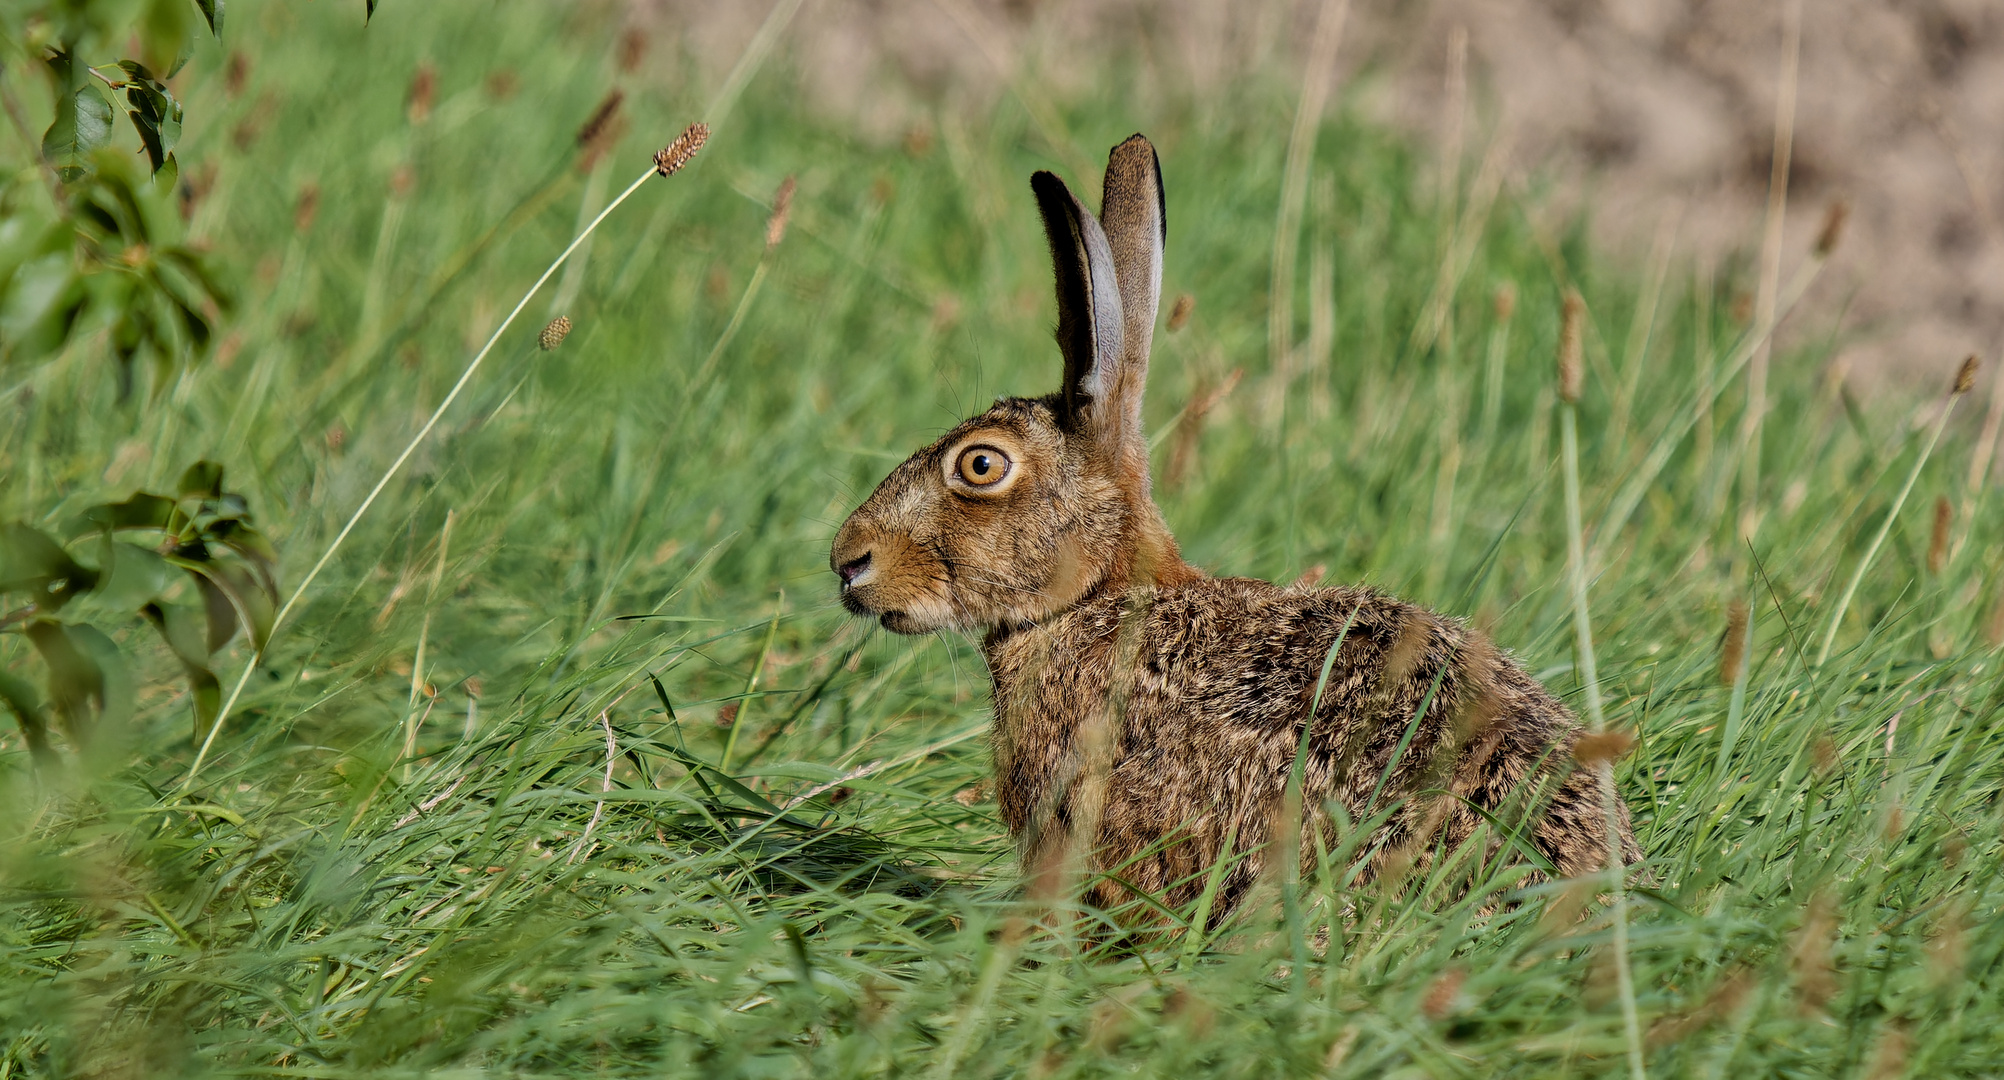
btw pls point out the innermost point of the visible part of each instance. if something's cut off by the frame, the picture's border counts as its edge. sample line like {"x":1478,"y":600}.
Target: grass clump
{"x":567,"y":764}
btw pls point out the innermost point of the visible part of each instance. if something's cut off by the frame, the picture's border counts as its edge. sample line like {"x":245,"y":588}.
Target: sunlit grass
{"x":560,"y":879}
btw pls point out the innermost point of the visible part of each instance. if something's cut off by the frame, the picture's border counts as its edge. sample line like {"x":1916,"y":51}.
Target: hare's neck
{"x":1148,"y":557}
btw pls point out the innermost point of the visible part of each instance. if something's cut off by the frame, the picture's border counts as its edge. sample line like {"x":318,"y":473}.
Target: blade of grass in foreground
{"x":668,"y":162}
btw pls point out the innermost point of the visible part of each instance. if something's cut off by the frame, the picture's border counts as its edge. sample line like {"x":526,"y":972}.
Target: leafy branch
{"x":198,"y":545}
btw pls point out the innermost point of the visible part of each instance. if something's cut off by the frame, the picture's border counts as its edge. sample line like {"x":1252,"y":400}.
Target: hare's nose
{"x":853,"y":569}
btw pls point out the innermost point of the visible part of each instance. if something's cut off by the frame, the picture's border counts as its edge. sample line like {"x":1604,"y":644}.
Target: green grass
{"x":555,"y":883}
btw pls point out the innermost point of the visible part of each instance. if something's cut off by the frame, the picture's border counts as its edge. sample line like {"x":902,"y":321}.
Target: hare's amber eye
{"x":982,"y":465}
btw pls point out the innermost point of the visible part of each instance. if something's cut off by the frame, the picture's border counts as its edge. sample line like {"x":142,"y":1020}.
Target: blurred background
{"x":1660,"y":114}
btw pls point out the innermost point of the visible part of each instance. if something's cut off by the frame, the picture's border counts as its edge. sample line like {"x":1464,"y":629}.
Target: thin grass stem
{"x":466,"y":376}
{"x":1569,"y":448}
{"x":1885,"y":528}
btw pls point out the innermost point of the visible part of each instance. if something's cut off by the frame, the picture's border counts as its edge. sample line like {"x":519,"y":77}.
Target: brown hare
{"x":1149,"y":712}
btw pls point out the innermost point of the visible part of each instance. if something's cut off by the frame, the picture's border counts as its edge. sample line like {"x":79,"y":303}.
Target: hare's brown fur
{"x":1148,"y":712}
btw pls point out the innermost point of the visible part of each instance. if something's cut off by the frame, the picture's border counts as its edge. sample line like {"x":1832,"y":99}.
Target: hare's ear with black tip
{"x":1089,"y":316}
{"x":1137,"y":226}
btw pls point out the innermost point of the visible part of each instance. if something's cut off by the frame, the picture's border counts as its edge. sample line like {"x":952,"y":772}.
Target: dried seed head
{"x":1571,"y":374}
{"x":502,"y":84}
{"x":1815,"y":975}
{"x":1506,"y":301}
{"x":403,"y":181}
{"x":1179,"y":312}
{"x":1824,"y":755}
{"x":1937,"y":545}
{"x":1311,"y":577}
{"x":1965,"y":376}
{"x":601,"y":118}
{"x":632,"y":49}
{"x":1733,"y":652}
{"x":236,"y":74}
{"x":1889,"y":1058}
{"x":1742,"y":307}
{"x":1833,"y":228}
{"x":1443,"y":994}
{"x":308,"y":206}
{"x":679,"y":153}
{"x":1993,"y":627}
{"x":782,"y":206}
{"x":553,"y":334}
{"x":1602,"y":747}
{"x":423,"y":86}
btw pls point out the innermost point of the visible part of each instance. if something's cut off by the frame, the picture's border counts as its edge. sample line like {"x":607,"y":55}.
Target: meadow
{"x":567,"y":763}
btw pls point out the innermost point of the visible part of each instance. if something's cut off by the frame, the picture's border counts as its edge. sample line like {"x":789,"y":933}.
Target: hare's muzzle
{"x":853,"y":569}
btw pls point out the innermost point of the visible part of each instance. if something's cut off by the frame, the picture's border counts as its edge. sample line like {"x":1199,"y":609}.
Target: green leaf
{"x":21,"y":698}
{"x":222,"y":614}
{"x":116,"y":705}
{"x":204,"y":478}
{"x":130,"y":576}
{"x":182,"y":630}
{"x":212,"y":10}
{"x":252,"y":605}
{"x":154,"y":112}
{"x":371,"y":12}
{"x":83,"y":123}
{"x":142,"y":511}
{"x":76,"y":683}
{"x":32,"y":563}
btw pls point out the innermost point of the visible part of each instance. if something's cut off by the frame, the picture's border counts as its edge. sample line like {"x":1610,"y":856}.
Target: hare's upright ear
{"x":1089,"y":317}
{"x":1136,"y":225}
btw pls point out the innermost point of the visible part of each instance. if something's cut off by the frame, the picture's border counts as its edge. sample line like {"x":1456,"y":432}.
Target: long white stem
{"x":466,"y":376}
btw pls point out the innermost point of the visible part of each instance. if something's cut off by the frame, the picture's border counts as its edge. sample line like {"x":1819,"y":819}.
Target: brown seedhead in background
{"x":1571,"y":372}
{"x":679,"y":153}
{"x":632,"y":49}
{"x":424,"y":85}
{"x":1832,"y":232}
{"x":1815,"y":973}
{"x":601,"y":118}
{"x":502,"y":84}
{"x":1733,"y":651}
{"x":236,"y":73}
{"x":1965,"y":376}
{"x":782,"y":208}
{"x":1183,"y":457}
{"x":403,"y":182}
{"x":307,"y":208}
{"x":553,"y":335}
{"x":1937,"y":543}
{"x":1505,"y":302}
{"x":1179,"y":312}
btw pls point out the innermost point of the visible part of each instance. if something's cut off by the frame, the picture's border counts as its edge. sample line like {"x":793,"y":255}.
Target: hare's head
{"x":1037,"y":503}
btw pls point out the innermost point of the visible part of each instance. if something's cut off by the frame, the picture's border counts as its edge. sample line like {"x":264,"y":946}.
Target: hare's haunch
{"x":1156,"y":711}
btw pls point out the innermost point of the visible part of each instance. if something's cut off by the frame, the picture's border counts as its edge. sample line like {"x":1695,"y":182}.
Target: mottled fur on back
{"x":1147,"y":714}
{"x":1223,"y":673}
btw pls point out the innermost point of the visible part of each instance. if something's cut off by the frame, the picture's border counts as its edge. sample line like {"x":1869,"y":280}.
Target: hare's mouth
{"x":892,"y":619}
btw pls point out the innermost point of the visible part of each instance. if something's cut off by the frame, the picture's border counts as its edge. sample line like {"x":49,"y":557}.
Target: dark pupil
{"x":981,"y":464}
